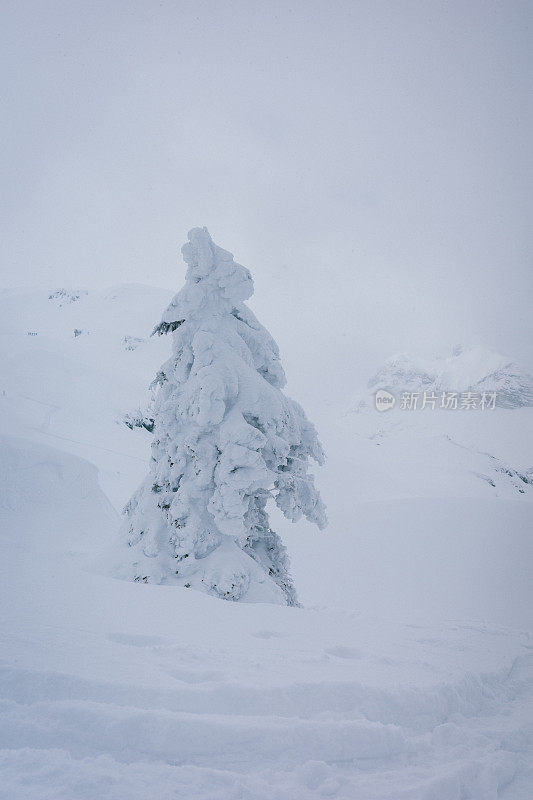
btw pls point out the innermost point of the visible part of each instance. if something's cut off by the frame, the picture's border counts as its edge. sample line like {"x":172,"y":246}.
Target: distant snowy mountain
{"x":455,"y":451}
{"x":126,"y":311}
{"x":472,"y":369}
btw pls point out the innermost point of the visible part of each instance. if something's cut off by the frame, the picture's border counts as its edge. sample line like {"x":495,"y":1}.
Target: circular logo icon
{"x":384,"y":400}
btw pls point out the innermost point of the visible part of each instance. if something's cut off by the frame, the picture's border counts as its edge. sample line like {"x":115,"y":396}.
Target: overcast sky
{"x":370,"y":162}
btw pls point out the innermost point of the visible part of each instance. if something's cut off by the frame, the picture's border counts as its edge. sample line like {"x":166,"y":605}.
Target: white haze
{"x":370,"y":162}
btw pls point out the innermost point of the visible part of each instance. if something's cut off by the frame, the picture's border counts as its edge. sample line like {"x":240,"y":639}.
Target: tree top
{"x":214,"y":282}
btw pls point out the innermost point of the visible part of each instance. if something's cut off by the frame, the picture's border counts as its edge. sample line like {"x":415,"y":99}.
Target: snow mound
{"x":51,"y":502}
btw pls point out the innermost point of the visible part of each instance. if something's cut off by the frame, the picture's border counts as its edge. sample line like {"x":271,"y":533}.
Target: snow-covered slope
{"x":116,"y":689}
{"x":74,"y":391}
{"x":405,"y":675}
{"x":51,"y":505}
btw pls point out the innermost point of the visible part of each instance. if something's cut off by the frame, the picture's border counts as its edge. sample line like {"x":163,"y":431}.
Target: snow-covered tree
{"x":226,"y":440}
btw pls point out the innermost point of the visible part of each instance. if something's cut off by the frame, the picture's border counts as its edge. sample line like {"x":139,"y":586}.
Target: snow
{"x":467,"y":369}
{"x":226,"y":441}
{"x":407,"y":673}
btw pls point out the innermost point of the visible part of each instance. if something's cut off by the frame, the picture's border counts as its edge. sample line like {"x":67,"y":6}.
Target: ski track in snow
{"x":64,"y":737}
{"x":95,"y":446}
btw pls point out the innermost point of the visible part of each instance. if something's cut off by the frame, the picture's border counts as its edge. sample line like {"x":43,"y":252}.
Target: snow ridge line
{"x":131,"y":734}
{"x":417,"y":709}
{"x":344,"y":757}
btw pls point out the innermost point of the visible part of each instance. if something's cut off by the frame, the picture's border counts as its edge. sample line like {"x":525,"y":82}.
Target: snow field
{"x":406,"y":676}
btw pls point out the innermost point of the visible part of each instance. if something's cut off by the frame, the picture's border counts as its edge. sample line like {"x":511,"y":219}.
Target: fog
{"x":370,"y":162}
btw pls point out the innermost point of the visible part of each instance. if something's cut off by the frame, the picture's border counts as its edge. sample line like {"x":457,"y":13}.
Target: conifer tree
{"x":226,"y":441}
